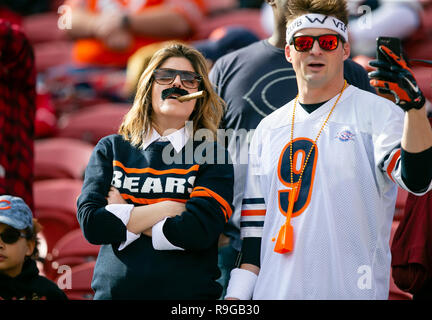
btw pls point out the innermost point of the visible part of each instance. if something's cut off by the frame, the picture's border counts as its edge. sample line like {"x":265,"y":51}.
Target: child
{"x":19,"y":275}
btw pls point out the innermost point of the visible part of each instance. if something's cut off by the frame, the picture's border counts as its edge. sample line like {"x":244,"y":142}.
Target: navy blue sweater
{"x":139,"y":271}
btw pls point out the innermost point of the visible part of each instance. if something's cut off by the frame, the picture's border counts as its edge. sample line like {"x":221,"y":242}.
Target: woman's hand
{"x":114,"y":197}
{"x":173,"y":208}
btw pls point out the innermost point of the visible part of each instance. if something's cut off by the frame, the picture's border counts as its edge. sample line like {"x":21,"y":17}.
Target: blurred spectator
{"x":250,"y":3}
{"x":411,"y":248}
{"x":27,"y":7}
{"x":411,"y":245}
{"x":387,"y":18}
{"x":223,"y":41}
{"x":8,"y":15}
{"x":267,"y":20}
{"x":108,"y":32}
{"x":17,"y":113}
{"x":220,"y":42}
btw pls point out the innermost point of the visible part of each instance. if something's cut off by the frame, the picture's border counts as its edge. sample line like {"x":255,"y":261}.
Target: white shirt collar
{"x":178,"y":138}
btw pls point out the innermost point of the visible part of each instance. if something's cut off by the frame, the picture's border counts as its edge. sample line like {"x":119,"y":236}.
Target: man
{"x":320,"y":192}
{"x":254,"y":81}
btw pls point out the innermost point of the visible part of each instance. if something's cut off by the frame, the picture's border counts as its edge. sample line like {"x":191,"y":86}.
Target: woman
{"x":160,"y":228}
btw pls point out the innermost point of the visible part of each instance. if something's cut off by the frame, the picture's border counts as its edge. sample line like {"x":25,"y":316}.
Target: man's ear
{"x":288,"y":53}
{"x":346,"y":50}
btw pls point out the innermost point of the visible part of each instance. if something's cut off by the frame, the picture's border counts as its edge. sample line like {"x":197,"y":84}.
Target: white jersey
{"x":342,"y":217}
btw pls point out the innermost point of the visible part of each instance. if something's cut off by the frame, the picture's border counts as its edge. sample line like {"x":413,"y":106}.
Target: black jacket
{"x":29,"y":285}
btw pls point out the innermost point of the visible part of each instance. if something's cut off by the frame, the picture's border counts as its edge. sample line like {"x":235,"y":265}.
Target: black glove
{"x":395,"y":77}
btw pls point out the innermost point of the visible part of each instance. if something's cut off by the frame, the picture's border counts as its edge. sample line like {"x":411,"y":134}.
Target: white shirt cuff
{"x":159,"y":241}
{"x":123,"y":211}
{"x":241,"y":284}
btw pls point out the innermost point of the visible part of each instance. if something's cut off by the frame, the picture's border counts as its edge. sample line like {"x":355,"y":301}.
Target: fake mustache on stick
{"x":184,"y":95}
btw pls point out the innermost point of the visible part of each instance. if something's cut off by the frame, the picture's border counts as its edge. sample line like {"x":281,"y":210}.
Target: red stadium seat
{"x":93,"y":123}
{"x":55,"y":208}
{"x":71,"y":250}
{"x":81,"y":277}
{"x":57,"y":158}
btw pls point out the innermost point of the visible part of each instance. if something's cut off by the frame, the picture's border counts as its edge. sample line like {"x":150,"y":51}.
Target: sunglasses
{"x":10,"y":235}
{"x":327,"y":42}
{"x":189,"y":79}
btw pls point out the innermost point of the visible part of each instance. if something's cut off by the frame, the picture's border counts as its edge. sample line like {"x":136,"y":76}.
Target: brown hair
{"x":335,"y":8}
{"x":32,"y":235}
{"x":208,"y":111}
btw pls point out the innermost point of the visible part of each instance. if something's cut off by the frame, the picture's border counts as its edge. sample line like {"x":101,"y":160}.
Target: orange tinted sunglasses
{"x":327,"y":42}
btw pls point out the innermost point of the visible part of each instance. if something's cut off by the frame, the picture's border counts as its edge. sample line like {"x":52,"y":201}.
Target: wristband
{"x":241,"y":284}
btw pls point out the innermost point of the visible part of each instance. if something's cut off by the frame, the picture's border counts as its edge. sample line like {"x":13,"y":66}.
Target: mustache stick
{"x":195,"y":95}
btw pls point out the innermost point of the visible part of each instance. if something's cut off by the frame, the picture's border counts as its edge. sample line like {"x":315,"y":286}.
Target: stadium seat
{"x":55,"y":208}
{"x":93,"y":123}
{"x":57,"y":158}
{"x":71,"y":250}
{"x":81,"y":277}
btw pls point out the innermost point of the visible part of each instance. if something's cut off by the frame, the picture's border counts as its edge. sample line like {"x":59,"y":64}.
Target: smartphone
{"x":394,"y":44}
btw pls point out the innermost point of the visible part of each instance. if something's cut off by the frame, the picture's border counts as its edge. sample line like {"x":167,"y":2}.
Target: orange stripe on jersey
{"x":205,"y":192}
{"x":392,"y":164}
{"x":149,"y":201}
{"x":245,"y":213}
{"x":154,"y":171}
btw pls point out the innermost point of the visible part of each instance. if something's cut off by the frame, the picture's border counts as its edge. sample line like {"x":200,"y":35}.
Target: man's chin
{"x":315,"y":80}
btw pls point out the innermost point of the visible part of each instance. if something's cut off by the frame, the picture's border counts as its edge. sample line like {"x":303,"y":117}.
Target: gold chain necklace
{"x":285,"y":240}
{"x":317,"y":137}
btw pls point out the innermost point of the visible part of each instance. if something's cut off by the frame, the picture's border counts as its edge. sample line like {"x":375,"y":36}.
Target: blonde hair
{"x":334,"y":8}
{"x":208,"y":112}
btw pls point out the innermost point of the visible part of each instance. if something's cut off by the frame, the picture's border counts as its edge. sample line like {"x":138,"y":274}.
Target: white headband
{"x":314,"y":20}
